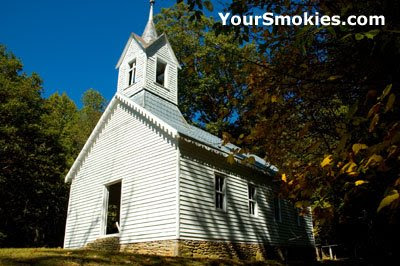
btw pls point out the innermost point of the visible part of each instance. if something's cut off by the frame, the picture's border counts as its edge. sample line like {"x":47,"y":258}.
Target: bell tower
{"x":148,"y":65}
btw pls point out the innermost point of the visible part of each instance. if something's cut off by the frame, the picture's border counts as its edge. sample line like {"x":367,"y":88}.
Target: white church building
{"x":149,"y":182}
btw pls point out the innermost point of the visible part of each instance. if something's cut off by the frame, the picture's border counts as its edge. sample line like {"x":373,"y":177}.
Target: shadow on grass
{"x":88,"y":257}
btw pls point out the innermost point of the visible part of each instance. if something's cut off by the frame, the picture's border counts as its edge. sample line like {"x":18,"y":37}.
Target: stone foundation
{"x":206,"y":249}
{"x":105,"y":244}
{"x":198,"y":249}
{"x":221,"y":250}
{"x":162,"y":247}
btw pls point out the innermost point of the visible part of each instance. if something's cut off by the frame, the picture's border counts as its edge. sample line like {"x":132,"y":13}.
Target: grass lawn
{"x":54,"y":256}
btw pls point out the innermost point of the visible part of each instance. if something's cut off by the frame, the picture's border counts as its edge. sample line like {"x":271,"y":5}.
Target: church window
{"x":132,"y":73}
{"x":252,"y":192}
{"x":277,"y":210}
{"x":161,"y":72}
{"x":113,"y":207}
{"x":297,"y":216}
{"x":220,"y":192}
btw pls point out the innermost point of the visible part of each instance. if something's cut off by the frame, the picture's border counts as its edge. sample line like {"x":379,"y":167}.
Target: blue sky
{"x":73,"y":45}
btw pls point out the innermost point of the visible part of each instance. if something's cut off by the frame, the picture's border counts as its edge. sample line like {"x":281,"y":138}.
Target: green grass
{"x":58,"y":256}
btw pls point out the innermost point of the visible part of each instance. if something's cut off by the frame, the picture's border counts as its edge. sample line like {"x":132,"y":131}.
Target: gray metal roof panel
{"x":171,"y":114}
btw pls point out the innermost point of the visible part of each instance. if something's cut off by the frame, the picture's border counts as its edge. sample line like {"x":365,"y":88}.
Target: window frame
{"x":222,"y":192}
{"x":297,"y":216}
{"x":252,"y":200}
{"x":277,"y":203}
{"x":131,"y":69}
{"x":159,"y":60}
{"x":104,"y":216}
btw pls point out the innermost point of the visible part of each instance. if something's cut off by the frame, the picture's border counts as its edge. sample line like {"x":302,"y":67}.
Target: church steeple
{"x":150,"y":33}
{"x":148,"y":65}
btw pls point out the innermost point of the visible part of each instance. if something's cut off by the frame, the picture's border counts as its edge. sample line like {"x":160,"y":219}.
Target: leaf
{"x":327,"y":161}
{"x":371,"y":34}
{"x":385,"y":92}
{"x":374,"y":122}
{"x":350,"y":169}
{"x":284,"y":179}
{"x":230,"y":159}
{"x":386,"y":201}
{"x":390,"y":102}
{"x":346,"y":36}
{"x":357,"y":147}
{"x":226,"y":137}
{"x":359,"y":36}
{"x":360,"y":182}
{"x":374,"y":109}
{"x":333,"y":78}
{"x":373,"y":160}
{"x":208,"y":5}
{"x":302,"y":204}
{"x":251,"y":160}
{"x":352,"y":111}
{"x":274,"y":99}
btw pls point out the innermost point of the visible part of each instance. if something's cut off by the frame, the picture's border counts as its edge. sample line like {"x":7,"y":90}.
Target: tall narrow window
{"x":132,"y":72}
{"x":277,"y":210}
{"x":160,"y":73}
{"x":113,"y":208}
{"x":220,"y":192}
{"x":252,"y":199}
{"x":297,"y":216}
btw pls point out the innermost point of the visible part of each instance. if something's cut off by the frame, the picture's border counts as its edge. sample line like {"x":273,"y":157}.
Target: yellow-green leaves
{"x":369,"y":34}
{"x":331,"y":78}
{"x":284,"y":178}
{"x":385,"y":92}
{"x":390,"y":102}
{"x":302,"y":204}
{"x":360,"y":182}
{"x":327,"y":161}
{"x":374,"y":160}
{"x":357,"y":147}
{"x":374,"y":122}
{"x":374,"y":109}
{"x":230,"y":159}
{"x":387,"y":200}
{"x":350,"y":169}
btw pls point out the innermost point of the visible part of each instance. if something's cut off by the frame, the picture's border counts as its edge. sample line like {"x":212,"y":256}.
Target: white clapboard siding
{"x":130,"y":149}
{"x":134,"y":52}
{"x":161,"y":50}
{"x":199,"y":219}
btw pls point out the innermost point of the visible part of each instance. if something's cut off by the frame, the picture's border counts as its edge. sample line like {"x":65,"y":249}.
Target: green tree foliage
{"x":208,"y":93}
{"x":323,"y":107}
{"x":61,"y":120}
{"x":93,"y":107}
{"x":33,"y":196}
{"x":39,"y":140}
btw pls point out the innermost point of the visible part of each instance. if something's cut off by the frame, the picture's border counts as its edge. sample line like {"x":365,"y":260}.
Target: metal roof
{"x":170,"y":114}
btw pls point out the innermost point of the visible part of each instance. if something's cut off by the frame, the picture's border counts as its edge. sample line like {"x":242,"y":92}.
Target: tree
{"x":61,"y":120}
{"x":33,"y":196}
{"x":93,"y":107}
{"x":208,"y":93}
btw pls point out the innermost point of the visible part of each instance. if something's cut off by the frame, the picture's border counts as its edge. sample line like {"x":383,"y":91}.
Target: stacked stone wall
{"x":206,"y":249}
{"x":104,"y":244}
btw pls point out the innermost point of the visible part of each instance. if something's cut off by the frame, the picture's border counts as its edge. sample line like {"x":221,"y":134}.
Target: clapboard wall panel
{"x":131,"y":149}
{"x":199,"y":219}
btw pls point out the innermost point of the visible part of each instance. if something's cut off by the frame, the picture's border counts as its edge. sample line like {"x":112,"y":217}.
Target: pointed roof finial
{"x":152,"y":2}
{"x":150,"y":33}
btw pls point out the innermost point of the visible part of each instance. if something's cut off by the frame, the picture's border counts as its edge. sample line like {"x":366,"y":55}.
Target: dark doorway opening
{"x":113,"y":208}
